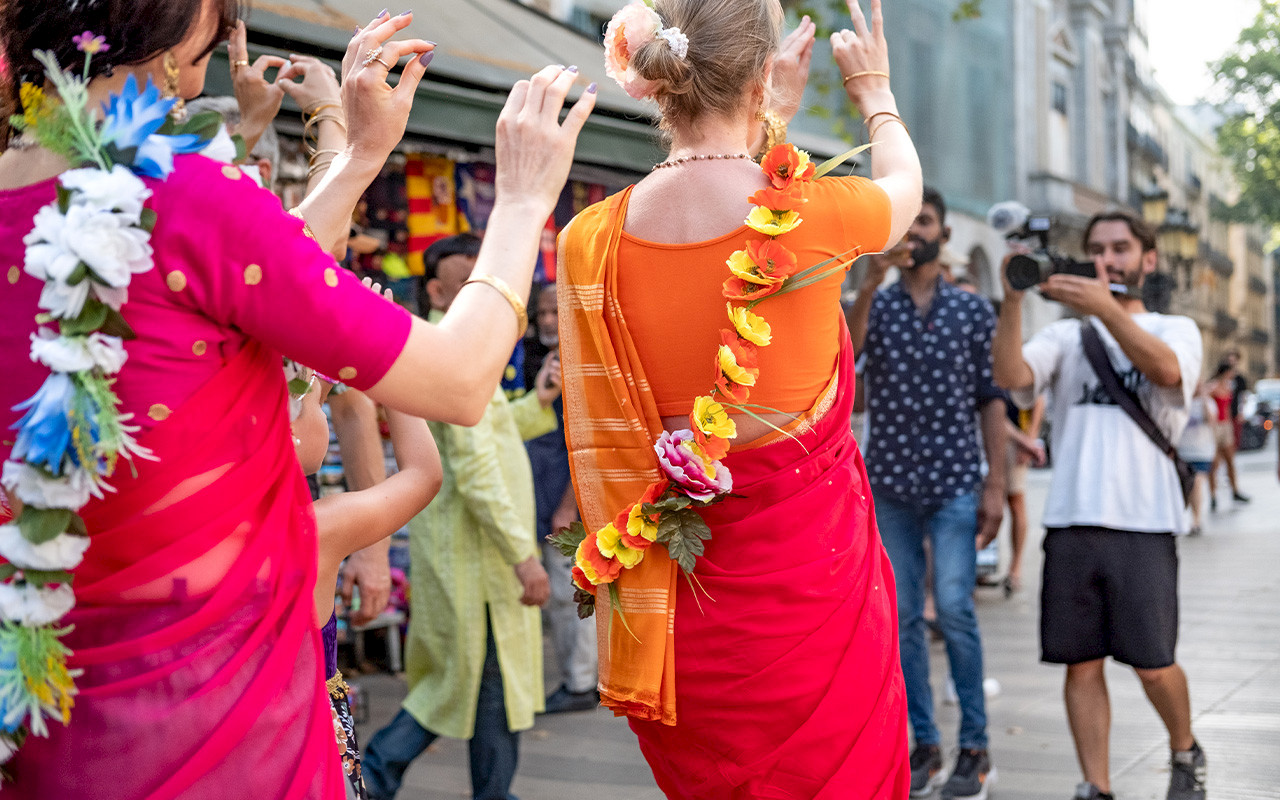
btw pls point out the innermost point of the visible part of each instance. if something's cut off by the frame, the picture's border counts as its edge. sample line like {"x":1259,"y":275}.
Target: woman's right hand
{"x":319,"y":84}
{"x":534,"y":151}
{"x":862,"y":50}
{"x":377,"y":112}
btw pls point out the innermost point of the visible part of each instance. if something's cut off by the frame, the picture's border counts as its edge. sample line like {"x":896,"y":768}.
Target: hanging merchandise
{"x":476,"y":193}
{"x":433,"y":207}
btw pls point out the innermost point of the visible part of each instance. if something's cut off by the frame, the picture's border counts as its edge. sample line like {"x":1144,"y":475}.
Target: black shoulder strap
{"x":1096,"y":352}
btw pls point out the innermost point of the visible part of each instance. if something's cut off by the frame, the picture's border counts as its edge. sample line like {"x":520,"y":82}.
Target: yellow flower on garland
{"x":742,"y":266}
{"x":609,"y":540}
{"x":711,"y":418}
{"x":641,"y":524}
{"x":749,"y":326}
{"x":771,"y":223}
{"x":33,"y":99}
{"x":731,"y":369}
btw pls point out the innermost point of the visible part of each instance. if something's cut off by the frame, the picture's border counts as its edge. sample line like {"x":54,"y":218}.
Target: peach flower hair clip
{"x":634,"y":26}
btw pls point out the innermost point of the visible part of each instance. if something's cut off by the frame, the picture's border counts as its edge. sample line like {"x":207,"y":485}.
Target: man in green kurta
{"x":474,"y":654}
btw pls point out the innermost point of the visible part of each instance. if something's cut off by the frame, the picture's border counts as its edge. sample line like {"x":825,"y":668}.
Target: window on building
{"x":1060,"y":97}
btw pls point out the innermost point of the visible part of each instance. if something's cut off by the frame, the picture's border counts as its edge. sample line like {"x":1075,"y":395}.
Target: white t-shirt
{"x":1107,"y":472}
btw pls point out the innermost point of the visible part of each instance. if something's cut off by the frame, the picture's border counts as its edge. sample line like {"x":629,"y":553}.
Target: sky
{"x":1184,"y":35}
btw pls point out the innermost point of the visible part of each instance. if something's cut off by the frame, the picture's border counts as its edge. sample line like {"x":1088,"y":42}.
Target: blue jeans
{"x":494,"y":750}
{"x":951,"y":530}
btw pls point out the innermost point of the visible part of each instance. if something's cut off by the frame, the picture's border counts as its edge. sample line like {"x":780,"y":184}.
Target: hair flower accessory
{"x":633,"y":27}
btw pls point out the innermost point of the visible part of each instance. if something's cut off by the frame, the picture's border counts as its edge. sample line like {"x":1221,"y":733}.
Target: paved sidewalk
{"x":1230,"y":647}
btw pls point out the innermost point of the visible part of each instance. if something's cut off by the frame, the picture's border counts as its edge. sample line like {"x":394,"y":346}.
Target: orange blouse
{"x":669,"y":295}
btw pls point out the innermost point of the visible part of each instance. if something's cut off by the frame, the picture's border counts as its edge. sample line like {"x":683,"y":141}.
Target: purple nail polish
{"x":592,"y":88}
{"x":382,"y":14}
{"x":425,"y":58}
{"x":572,"y":69}
{"x":406,"y":13}
{"x":433,"y":44}
{"x":357,"y":32}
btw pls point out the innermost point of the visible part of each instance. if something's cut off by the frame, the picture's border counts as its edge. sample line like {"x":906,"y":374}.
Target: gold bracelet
{"x":517,"y":305}
{"x":875,"y":72}
{"x":867,"y":121}
{"x":294,"y":212}
{"x":877,"y":128}
{"x":313,"y":122}
{"x":316,"y":169}
{"x":321,"y":105}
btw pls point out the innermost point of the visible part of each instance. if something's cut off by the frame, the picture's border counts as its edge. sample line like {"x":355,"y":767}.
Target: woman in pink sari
{"x":773,"y":671}
{"x":194,"y":628}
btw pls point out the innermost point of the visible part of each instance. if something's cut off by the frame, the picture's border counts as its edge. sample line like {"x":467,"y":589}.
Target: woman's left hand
{"x":258,"y":98}
{"x":378,"y":112}
{"x":319,"y":84}
{"x":791,"y":68}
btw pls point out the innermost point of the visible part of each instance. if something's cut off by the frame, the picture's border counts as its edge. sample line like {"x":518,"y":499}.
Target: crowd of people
{"x":775,"y":645}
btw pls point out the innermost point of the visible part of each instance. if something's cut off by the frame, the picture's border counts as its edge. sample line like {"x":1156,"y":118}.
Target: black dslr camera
{"x":1026,"y":270}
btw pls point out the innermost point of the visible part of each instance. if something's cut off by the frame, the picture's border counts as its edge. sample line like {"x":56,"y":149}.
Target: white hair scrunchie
{"x":676,"y":40}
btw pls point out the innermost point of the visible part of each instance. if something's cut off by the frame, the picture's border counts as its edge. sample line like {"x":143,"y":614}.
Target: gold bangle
{"x":321,"y":105}
{"x":874,"y":72}
{"x":294,"y":212}
{"x":867,"y":121}
{"x":517,"y":305}
{"x":877,"y":128}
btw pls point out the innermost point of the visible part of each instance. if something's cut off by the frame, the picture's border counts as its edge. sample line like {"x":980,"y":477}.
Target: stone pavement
{"x":1230,"y":647}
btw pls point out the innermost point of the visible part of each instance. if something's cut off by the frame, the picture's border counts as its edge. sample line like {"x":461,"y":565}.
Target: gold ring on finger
{"x":237,"y":64}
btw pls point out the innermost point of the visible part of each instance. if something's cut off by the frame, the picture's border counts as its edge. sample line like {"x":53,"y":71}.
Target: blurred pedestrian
{"x":1223,"y":391}
{"x":1197,"y":447}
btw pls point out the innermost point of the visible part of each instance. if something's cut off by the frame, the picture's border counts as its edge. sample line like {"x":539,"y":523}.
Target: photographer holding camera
{"x":1115,"y":501}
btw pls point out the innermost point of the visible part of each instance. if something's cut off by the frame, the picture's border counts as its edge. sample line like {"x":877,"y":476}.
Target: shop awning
{"x":485,"y":46}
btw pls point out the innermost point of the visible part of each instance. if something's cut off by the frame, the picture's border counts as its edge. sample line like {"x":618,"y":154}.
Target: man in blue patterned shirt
{"x":928,"y":383}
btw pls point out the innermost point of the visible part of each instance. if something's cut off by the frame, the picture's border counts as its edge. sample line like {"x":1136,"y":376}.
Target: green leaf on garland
{"x":677,"y":502}
{"x":42,"y":578}
{"x":40,"y":525}
{"x":242,"y":149}
{"x":831,"y":163}
{"x":567,"y":540}
{"x":616,"y":601}
{"x":92,"y":317}
{"x":298,"y":387}
{"x":147,"y":220}
{"x":114,"y":325}
{"x":683,"y":533}
{"x":64,"y":199}
{"x":78,"y":274}
{"x":586,"y":603}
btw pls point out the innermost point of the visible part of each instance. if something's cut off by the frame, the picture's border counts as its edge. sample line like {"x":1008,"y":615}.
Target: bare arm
{"x":895,"y":165}
{"x":1010,"y":369}
{"x":352,"y":521}
{"x":1149,"y":354}
{"x":991,"y":510}
{"x":355,"y":421}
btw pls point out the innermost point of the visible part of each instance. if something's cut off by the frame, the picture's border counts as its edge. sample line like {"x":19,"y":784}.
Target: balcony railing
{"x":1259,"y":336}
{"x":1224,"y":324}
{"x":1257,"y":285}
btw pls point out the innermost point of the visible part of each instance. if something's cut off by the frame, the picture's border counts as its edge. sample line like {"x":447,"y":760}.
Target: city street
{"x":1230,"y":647}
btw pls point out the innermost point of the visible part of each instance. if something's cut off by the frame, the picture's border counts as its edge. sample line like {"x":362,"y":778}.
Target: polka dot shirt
{"x":927,"y":375}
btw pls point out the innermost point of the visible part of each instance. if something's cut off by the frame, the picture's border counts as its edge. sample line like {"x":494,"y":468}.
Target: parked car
{"x":1259,"y":409}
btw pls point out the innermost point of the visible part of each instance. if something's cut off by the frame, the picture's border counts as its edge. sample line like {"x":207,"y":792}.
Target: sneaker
{"x":1087,"y":791}
{"x":1187,"y":774}
{"x":562,"y":700}
{"x":1240,"y":498}
{"x":926,"y":770}
{"x":971,"y":778}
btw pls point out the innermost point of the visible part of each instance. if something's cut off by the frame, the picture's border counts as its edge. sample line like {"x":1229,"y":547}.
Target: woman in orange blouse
{"x":782,"y":680}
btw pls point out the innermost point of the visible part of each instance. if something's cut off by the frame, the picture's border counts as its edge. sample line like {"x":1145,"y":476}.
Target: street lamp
{"x":1155,"y":207}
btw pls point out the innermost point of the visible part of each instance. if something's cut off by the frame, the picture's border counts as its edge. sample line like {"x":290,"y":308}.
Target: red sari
{"x":785,"y":682}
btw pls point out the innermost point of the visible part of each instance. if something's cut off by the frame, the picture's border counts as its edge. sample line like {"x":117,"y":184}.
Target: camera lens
{"x":1023,"y":272}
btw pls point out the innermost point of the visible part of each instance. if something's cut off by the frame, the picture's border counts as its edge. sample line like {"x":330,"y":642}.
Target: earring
{"x":171,"y":86}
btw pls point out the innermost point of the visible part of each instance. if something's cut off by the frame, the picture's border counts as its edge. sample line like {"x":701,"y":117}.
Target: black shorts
{"x":1109,"y":593}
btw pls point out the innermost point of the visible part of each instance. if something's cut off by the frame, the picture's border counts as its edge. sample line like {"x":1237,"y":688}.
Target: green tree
{"x":1249,"y":77}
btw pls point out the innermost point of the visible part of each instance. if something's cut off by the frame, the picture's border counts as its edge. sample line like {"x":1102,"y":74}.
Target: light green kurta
{"x":462,"y":549}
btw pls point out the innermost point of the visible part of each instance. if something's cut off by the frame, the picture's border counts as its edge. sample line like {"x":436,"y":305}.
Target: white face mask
{"x":253,"y":172}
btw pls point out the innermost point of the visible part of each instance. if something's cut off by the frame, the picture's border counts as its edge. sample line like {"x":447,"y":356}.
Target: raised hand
{"x":377,"y":112}
{"x":319,"y":84}
{"x":862,"y":54}
{"x":534,"y":150}
{"x":791,"y":68}
{"x":258,"y":98}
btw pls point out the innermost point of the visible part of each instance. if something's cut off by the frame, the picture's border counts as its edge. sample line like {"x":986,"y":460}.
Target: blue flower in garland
{"x":8,"y":674}
{"x":44,"y":432}
{"x":129,"y":131}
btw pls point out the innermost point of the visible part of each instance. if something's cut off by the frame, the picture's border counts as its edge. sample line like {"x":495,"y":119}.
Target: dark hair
{"x":464,"y":244}
{"x":136,"y":30}
{"x":933,"y":197}
{"x":1223,"y":369}
{"x":1140,"y":228}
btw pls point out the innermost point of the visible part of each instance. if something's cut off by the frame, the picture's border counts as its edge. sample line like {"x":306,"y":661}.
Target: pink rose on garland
{"x":630,"y":29}
{"x":690,"y":468}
